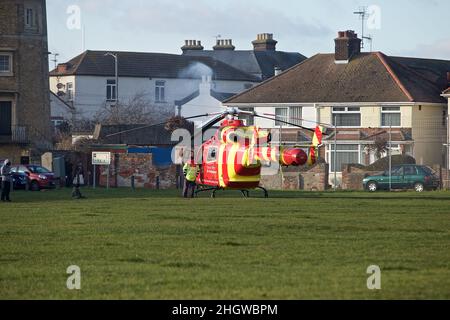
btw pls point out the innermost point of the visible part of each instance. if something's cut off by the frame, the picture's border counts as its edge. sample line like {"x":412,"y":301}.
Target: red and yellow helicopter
{"x":234,"y":156}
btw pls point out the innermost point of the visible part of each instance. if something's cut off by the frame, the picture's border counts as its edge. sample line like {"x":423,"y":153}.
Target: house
{"x":87,"y":82}
{"x":364,"y":95}
{"x":25,"y":130}
{"x":61,"y":111}
{"x":203,"y":101}
{"x":263,"y":61}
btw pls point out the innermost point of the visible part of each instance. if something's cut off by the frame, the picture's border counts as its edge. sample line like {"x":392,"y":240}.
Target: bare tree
{"x":380,"y":146}
{"x":137,"y":110}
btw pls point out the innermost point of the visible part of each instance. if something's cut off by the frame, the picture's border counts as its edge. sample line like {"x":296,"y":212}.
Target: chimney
{"x":224,"y":45}
{"x":192,"y":45}
{"x":448,"y":79}
{"x":277,"y":70}
{"x":264,"y":42}
{"x":347,"y":45}
{"x":63,"y":67}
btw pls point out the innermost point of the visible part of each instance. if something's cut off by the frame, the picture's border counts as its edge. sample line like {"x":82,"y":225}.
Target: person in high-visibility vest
{"x":190,"y":171}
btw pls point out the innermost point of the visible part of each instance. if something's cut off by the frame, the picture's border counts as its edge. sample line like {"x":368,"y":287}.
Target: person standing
{"x":5,"y":172}
{"x":78,"y":180}
{"x":190,"y":171}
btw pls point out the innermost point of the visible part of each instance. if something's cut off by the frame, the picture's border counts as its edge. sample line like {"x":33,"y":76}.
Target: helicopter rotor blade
{"x":159,"y":124}
{"x":327,"y":125}
{"x":285,"y":122}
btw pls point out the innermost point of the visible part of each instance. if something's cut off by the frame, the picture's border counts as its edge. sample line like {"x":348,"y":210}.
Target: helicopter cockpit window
{"x":212,"y":155}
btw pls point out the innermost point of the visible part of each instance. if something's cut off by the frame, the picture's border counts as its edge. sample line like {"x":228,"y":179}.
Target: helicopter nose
{"x":294,"y":157}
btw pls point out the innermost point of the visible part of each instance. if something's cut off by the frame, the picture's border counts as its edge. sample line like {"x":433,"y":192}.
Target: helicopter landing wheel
{"x":245,"y":193}
{"x":266,"y":193}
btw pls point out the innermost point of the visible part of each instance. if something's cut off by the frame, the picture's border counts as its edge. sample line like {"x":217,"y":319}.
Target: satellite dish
{"x":61,"y":94}
{"x":60,"y":86}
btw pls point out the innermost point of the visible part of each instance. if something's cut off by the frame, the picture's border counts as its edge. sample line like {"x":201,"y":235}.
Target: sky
{"x":417,"y":28}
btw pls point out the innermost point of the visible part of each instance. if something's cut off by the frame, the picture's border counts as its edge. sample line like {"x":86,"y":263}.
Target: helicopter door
{"x":210,"y":166}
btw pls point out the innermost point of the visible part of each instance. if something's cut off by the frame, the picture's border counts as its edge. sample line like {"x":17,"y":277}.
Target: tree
{"x":137,"y":110}
{"x":380,"y":146}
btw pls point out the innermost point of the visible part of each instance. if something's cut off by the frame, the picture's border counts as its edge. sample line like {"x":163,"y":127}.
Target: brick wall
{"x":124,"y":166}
{"x":309,"y":179}
{"x":353,"y":175}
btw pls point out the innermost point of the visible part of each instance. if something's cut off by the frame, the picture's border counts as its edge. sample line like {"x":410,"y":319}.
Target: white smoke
{"x":196,"y":70}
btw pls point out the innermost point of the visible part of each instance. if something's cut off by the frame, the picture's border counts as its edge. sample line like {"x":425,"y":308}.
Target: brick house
{"x":366,"y":95}
{"x":25,"y":130}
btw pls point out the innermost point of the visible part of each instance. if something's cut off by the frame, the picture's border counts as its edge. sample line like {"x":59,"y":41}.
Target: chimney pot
{"x":347,"y":44}
{"x":264,"y":42}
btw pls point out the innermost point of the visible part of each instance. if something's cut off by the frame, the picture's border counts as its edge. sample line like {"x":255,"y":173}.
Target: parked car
{"x":408,"y":176}
{"x":38,"y":176}
{"x":20,"y":180}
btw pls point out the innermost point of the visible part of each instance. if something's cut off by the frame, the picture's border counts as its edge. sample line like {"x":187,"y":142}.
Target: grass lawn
{"x":295,"y":245}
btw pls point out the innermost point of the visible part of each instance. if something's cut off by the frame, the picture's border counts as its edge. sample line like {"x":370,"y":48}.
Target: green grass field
{"x":295,"y":245}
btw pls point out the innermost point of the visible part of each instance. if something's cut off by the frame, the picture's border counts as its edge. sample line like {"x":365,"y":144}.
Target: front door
{"x":5,"y":118}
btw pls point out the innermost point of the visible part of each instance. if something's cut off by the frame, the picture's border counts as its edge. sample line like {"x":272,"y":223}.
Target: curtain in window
{"x":390,"y":119}
{"x":347,"y":120}
{"x":295,"y":115}
{"x":346,"y":154}
{"x":281,"y":114}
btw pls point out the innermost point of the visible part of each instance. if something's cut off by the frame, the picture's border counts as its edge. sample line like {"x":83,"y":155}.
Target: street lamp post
{"x":116,"y":66}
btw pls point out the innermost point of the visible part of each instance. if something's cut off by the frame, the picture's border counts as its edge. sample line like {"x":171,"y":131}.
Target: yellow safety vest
{"x":190,"y":172}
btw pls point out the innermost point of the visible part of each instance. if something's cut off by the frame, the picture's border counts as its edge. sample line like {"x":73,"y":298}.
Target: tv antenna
{"x":55,"y":59}
{"x":369,"y":38}
{"x":218,"y":37}
{"x":363,"y":16}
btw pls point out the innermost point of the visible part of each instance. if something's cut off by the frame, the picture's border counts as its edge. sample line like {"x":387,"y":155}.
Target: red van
{"x":38,"y":177}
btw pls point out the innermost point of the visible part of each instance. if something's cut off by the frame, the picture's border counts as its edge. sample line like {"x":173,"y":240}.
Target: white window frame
{"x":69,"y":91}
{"x":330,"y":151}
{"x":160,"y":91}
{"x":249,"y":120}
{"x":346,"y":111}
{"x":290,"y":116}
{"x":399,"y":111}
{"x":112,"y":87}
{"x":10,"y":72}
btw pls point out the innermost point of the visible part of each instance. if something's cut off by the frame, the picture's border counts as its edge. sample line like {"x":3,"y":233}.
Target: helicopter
{"x":233,"y":158}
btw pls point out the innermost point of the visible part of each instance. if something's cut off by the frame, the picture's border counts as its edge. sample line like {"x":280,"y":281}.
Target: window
{"x":390,"y":117}
{"x":69,"y":91}
{"x":160,"y":91}
{"x":29,"y":18}
{"x":212,"y":154}
{"x":249,"y":120}
{"x":111,"y":88}
{"x":345,"y":154}
{"x":295,"y":114}
{"x":410,"y":171}
{"x":5,"y":64}
{"x":292,"y":115}
{"x":346,"y":116}
{"x":281,"y":114}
